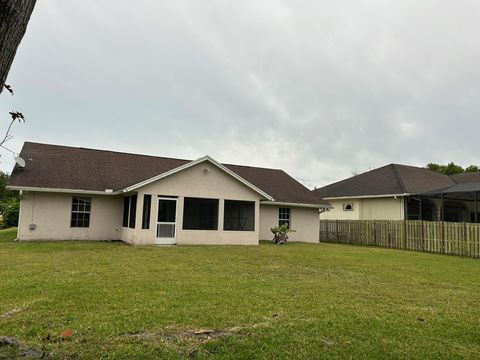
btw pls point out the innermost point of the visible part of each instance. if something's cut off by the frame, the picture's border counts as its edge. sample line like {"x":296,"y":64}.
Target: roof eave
{"x":57,"y":190}
{"x":365,"y":196}
{"x":282,"y":203}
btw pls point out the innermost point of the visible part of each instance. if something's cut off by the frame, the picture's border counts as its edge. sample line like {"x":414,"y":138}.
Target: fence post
{"x":442,"y":249}
{"x":336,"y":230}
{"x":421,"y":236}
{"x":404,"y":234}
{"x":326,"y":230}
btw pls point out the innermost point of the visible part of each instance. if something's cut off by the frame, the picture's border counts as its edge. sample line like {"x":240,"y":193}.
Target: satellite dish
{"x":20,"y":161}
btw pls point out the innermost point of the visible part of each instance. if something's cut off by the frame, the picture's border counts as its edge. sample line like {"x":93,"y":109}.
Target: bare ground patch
{"x":187,"y":342}
{"x":12,"y":348}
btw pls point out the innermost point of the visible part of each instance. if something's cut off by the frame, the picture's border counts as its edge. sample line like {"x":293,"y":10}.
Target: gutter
{"x":366,"y":196}
{"x":69,"y":191}
{"x":317,"y":206}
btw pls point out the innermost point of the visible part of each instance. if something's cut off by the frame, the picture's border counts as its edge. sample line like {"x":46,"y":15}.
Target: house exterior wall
{"x":337,"y":213}
{"x":51,"y":214}
{"x":204,"y":180}
{"x":389,"y":208}
{"x":302,"y":219}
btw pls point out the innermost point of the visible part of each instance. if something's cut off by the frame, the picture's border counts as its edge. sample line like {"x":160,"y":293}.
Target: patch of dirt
{"x":10,"y":313}
{"x":12,"y":348}
{"x":188,"y":342}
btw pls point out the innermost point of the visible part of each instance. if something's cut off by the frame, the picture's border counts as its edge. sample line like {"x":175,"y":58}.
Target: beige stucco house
{"x":70,"y":193}
{"x":399,"y":192}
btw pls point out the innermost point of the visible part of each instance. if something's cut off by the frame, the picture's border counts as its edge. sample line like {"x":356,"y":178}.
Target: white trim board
{"x":366,"y":196}
{"x":69,"y":191}
{"x":296,"y":205}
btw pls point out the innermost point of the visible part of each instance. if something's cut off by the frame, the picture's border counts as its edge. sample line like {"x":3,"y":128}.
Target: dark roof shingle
{"x":392,"y":179}
{"x":64,"y":167}
{"x":466,"y":177}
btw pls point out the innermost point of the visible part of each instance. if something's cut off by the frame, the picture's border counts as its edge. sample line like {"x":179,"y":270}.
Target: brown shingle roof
{"x":387,"y":180}
{"x":466,"y":178}
{"x":64,"y":167}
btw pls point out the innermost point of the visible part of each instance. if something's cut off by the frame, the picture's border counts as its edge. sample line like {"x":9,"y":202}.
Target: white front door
{"x":166,"y":221}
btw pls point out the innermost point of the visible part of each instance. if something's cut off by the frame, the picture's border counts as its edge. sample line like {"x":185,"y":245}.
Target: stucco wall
{"x":303,"y":220}
{"x":383,"y":209}
{"x":204,"y":180}
{"x":337,"y":213}
{"x":366,"y":209}
{"x":51,"y":213}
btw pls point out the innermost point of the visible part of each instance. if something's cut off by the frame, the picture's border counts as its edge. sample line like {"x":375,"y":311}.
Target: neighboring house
{"x":398,"y":192}
{"x":84,"y":194}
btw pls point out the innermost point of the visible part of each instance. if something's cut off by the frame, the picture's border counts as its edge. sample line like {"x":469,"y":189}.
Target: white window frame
{"x":87,"y":200}
{"x":285,"y":217}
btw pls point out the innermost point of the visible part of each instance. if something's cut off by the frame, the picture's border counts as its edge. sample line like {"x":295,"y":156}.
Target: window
{"x":239,"y":215}
{"x":126,"y":210}
{"x":347,"y":207}
{"x":147,"y":204}
{"x":81,"y":207}
{"x":284,"y":216}
{"x":133,"y":211}
{"x":200,"y":214}
{"x":129,"y":211}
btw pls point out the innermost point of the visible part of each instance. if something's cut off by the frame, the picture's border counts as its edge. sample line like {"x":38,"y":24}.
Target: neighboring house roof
{"x":466,"y":178}
{"x":393,"y":179}
{"x":72,"y":168}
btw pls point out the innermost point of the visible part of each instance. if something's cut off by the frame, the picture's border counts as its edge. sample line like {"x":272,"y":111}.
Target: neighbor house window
{"x":284,"y":216}
{"x":239,"y":215}
{"x":200,"y":214}
{"x":129,"y":211}
{"x":347,"y":207}
{"x":147,"y":204}
{"x":81,"y":207}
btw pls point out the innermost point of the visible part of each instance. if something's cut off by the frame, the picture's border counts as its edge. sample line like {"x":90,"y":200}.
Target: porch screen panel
{"x":126,"y":207}
{"x":133,"y":211}
{"x":165,"y":230}
{"x":147,"y":204}
{"x":239,"y":215}
{"x":166,"y":211}
{"x":200,"y":214}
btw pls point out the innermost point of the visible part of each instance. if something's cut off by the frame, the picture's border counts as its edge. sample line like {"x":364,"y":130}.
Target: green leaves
{"x":451,"y":168}
{"x":280,"y":233}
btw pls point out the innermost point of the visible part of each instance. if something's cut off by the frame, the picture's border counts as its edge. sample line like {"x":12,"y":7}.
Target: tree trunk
{"x":14,"y":16}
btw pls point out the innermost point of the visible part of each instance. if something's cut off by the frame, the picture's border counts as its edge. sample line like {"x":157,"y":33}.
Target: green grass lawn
{"x":297,"y":301}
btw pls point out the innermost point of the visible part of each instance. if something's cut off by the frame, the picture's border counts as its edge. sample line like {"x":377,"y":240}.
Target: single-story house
{"x":70,"y":193}
{"x":399,"y":192}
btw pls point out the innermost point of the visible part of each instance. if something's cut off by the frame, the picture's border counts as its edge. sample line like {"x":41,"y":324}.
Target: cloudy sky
{"x":318,"y":88}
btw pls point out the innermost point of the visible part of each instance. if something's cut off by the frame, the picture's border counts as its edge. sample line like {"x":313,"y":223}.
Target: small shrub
{"x":10,"y":213}
{"x":280,"y":234}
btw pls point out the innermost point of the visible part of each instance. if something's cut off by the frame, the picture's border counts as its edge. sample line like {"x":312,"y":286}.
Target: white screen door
{"x":166,"y":221}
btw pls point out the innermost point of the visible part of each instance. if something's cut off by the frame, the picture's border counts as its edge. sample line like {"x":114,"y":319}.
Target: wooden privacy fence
{"x":462,"y":239}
